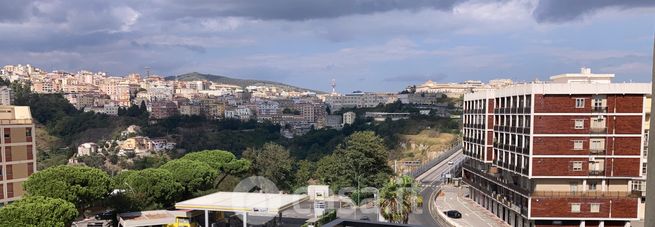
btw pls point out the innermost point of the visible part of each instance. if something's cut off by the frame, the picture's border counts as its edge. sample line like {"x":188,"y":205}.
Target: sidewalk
{"x":452,"y":198}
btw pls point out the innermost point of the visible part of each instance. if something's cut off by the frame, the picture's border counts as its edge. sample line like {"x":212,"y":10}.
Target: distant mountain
{"x":239,"y":82}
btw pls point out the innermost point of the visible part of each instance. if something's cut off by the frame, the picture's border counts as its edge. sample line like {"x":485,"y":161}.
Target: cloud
{"x":382,"y":42}
{"x":415,"y":78}
{"x":295,"y":10}
{"x":557,"y":11}
{"x":14,"y":10}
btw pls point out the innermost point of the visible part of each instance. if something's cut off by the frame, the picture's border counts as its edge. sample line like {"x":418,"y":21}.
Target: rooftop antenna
{"x":334,"y":87}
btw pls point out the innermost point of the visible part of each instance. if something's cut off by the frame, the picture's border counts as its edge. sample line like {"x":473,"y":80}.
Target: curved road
{"x":431,"y":181}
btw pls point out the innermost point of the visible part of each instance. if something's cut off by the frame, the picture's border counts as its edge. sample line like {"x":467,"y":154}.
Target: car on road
{"x":365,"y":218}
{"x":453,"y":214}
{"x":450,"y":163}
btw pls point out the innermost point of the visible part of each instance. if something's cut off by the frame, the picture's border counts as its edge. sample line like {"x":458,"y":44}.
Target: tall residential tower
{"x":565,"y":152}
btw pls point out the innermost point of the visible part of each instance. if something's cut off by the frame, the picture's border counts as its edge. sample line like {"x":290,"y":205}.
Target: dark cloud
{"x":555,"y":11}
{"x":14,"y":10}
{"x":296,"y":9}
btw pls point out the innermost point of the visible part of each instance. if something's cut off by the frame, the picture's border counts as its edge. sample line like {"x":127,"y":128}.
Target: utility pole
{"x":650,"y":175}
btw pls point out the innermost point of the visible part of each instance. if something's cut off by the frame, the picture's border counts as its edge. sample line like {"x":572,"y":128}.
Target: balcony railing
{"x":598,"y":130}
{"x":597,"y":151}
{"x":596,"y":172}
{"x":599,"y":109}
{"x":595,"y":194}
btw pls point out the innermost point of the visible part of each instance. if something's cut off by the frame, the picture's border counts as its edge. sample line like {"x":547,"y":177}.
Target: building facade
{"x":18,"y":156}
{"x":566,"y":152}
{"x":6,"y":96}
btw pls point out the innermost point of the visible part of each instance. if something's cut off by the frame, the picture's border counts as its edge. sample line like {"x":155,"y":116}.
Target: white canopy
{"x":243,"y":202}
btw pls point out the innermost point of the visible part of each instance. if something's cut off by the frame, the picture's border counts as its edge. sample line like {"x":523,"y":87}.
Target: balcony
{"x":597,"y":151}
{"x":599,"y":109}
{"x":598,"y":130}
{"x":596,"y":172}
{"x":587,"y":194}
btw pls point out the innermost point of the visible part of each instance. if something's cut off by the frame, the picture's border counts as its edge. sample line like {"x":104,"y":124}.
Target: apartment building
{"x":359,"y":100}
{"x":18,"y":156}
{"x":567,"y":152}
{"x":6,"y":96}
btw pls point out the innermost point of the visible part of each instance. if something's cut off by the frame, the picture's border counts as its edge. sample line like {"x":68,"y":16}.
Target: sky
{"x":369,"y":45}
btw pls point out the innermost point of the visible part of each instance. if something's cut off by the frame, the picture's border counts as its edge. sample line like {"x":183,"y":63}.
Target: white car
{"x":451,"y":163}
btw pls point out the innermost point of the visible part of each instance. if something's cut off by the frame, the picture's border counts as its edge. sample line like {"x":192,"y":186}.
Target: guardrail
{"x":429,"y":164}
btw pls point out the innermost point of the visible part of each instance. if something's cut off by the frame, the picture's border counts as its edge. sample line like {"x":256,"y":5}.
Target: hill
{"x":234,"y":81}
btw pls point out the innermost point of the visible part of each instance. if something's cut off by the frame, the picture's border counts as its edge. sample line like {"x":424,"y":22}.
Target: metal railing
{"x":597,"y":151}
{"x":596,"y":172}
{"x":429,"y":164}
{"x":564,"y":194}
{"x":598,"y":130}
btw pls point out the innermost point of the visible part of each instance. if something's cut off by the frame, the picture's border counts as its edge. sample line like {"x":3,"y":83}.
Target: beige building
{"x":18,"y":156}
{"x":349,"y":118}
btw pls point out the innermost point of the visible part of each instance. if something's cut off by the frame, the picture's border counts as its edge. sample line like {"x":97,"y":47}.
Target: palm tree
{"x":398,"y":198}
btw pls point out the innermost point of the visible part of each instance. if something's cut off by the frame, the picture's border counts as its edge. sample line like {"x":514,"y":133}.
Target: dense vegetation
{"x":215,"y":155}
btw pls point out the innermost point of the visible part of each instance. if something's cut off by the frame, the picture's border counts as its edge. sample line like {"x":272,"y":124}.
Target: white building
{"x":6,"y":95}
{"x":87,"y":149}
{"x":349,"y":118}
{"x":359,"y":100}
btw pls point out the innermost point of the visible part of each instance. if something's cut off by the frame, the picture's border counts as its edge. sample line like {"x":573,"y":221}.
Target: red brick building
{"x":562,"y":153}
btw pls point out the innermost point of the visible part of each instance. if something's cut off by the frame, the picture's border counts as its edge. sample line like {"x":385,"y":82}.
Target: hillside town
{"x":297,"y":111}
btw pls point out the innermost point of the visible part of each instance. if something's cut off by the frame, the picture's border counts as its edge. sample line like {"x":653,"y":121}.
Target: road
{"x":432,"y":180}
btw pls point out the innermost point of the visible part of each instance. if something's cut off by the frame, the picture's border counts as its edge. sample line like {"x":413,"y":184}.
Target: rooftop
{"x":15,"y":115}
{"x":243,"y":202}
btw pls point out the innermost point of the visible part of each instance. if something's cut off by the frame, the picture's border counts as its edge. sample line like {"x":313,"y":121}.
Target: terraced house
{"x":567,"y":152}
{"x":18,"y":156}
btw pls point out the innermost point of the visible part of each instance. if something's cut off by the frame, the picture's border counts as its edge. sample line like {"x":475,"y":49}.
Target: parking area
{"x":455,"y":198}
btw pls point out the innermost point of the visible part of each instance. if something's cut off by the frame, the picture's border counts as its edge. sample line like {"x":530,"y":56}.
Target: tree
{"x":80,"y":185}
{"x":148,"y":189}
{"x":38,"y":211}
{"x":224,"y":162}
{"x":304,"y":173}
{"x":193,"y":175}
{"x":398,"y":198}
{"x":272,"y":161}
{"x":361,"y":160}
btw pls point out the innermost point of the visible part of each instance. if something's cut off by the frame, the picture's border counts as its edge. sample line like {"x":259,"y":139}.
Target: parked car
{"x":450,"y":163}
{"x":365,"y":218}
{"x":106,"y":215}
{"x":453,"y":214}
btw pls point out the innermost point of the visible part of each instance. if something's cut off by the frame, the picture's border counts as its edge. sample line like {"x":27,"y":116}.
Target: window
{"x":577,"y":144}
{"x":575,"y":208}
{"x":579,"y":103}
{"x":579,"y":124}
{"x":595,"y":208}
{"x":597,"y":144}
{"x":638,"y":185}
{"x":592,"y":186}
{"x":576,"y":166}
{"x":644,"y":168}
{"x":574,"y":187}
{"x":28,"y":132}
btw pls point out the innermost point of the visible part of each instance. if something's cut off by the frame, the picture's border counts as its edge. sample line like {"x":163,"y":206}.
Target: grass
{"x":425,"y":145}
